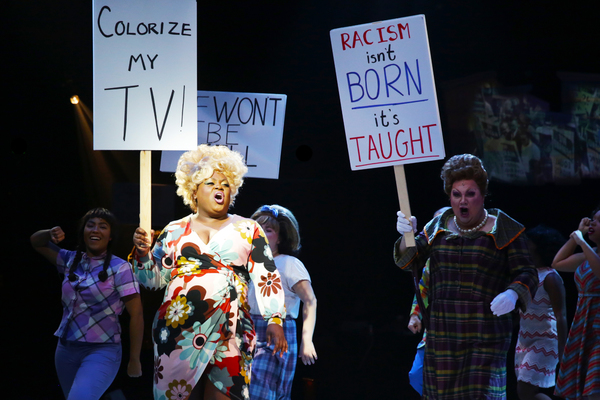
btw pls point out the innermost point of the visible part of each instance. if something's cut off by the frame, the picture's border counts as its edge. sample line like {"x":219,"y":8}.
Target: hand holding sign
{"x":388,"y":98}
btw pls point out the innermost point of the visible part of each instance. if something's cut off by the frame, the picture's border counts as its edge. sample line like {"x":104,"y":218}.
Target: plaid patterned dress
{"x":465,"y":356}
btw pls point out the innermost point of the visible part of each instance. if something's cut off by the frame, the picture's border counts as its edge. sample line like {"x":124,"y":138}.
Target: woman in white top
{"x":272,"y":375}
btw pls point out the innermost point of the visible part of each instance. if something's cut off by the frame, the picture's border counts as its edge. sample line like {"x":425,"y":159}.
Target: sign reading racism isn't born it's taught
{"x":144,"y":74}
{"x":387,"y":93}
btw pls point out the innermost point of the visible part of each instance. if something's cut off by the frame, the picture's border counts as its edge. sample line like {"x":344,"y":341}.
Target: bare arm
{"x":304,"y":290}
{"x":566,"y":259}
{"x":555,"y":288}
{"x":590,"y":254}
{"x":133,"y":303}
{"x":45,"y":242}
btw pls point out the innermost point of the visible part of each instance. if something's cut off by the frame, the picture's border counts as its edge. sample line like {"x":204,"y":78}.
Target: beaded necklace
{"x":478,"y":227}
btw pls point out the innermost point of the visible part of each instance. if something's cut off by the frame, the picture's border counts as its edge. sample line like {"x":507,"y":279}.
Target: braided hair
{"x":112,"y":221}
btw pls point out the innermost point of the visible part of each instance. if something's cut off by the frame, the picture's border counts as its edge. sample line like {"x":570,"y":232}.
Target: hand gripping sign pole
{"x":145,"y":81}
{"x":388,"y":98}
{"x":402,"y":189}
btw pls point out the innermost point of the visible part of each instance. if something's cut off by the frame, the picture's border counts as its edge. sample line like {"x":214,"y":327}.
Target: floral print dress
{"x":203,"y":324}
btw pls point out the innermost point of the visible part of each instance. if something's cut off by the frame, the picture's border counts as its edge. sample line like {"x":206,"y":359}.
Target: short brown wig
{"x":464,"y":167}
{"x":283,"y":222}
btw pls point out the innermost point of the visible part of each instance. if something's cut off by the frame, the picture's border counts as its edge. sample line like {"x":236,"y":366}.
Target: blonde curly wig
{"x":196,"y":166}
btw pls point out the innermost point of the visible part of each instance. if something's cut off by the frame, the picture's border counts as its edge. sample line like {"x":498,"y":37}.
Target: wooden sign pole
{"x":146,"y":191}
{"x":409,"y":237}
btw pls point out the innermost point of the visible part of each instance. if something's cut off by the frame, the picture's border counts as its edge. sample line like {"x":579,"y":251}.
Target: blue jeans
{"x":415,"y":376}
{"x":86,"y":370}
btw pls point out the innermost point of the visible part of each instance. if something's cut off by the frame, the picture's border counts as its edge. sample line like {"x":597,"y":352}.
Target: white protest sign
{"x":144,"y":74}
{"x":249,"y":123}
{"x":387,"y":93}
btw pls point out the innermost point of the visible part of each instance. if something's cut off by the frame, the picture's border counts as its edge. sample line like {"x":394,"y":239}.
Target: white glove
{"x":403,"y":225}
{"x":504,"y":302}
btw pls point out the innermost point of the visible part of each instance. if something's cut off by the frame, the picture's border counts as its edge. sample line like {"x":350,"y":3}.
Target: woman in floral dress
{"x":203,"y":334}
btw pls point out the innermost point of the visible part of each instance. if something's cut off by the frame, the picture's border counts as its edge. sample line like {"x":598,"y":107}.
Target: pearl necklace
{"x":478,"y":227}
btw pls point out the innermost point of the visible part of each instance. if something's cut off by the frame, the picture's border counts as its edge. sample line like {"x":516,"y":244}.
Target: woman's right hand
{"x":584,"y":225}
{"x":141,"y":241}
{"x":56,"y":235}
{"x":414,"y":324}
{"x":403,"y":225}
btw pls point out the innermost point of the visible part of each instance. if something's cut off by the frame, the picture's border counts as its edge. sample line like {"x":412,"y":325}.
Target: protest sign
{"x":388,"y":98}
{"x":250,"y":123}
{"x":387,"y":93}
{"x":145,"y":71}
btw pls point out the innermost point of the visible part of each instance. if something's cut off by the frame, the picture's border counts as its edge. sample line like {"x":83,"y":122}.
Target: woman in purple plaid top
{"x":479,"y":268}
{"x":96,"y":287}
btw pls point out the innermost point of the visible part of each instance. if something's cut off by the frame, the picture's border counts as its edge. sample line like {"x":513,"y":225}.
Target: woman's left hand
{"x":577,"y":236}
{"x":276,"y":336}
{"x":134,"y":368}
{"x":584,"y":225}
{"x":308,"y":354}
{"x":504,"y":303}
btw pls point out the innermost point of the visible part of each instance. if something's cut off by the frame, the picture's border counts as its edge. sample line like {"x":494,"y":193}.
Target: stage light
{"x":74,"y":99}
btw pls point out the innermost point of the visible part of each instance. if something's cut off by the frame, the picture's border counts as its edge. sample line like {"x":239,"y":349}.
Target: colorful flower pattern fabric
{"x":579,"y":373}
{"x":536,"y":354}
{"x":273,"y":375}
{"x":203,"y":325}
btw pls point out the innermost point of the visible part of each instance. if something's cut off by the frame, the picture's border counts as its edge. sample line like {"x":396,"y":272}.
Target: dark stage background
{"x":347,"y":218}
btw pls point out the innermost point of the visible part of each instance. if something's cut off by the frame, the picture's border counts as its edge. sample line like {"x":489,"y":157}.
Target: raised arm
{"x":304,"y":290}
{"x":566,"y":259}
{"x":45,"y":242}
{"x":404,"y":226}
{"x":590,"y":254}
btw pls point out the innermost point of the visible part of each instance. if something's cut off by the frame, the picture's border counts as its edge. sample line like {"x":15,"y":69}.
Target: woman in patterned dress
{"x":579,"y":374}
{"x":479,"y":268}
{"x":543,"y":327}
{"x":203,"y":334}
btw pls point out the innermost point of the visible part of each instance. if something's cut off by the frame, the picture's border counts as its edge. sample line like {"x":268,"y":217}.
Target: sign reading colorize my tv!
{"x":145,"y":74}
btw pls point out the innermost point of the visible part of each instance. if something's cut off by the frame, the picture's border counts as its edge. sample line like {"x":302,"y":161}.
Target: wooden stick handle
{"x":146,"y":190}
{"x":409,"y":237}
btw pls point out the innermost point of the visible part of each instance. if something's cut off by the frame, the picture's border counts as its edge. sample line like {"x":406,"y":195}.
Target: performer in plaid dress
{"x":272,"y":376}
{"x":579,"y":373}
{"x":95,"y":289}
{"x":479,"y":268}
